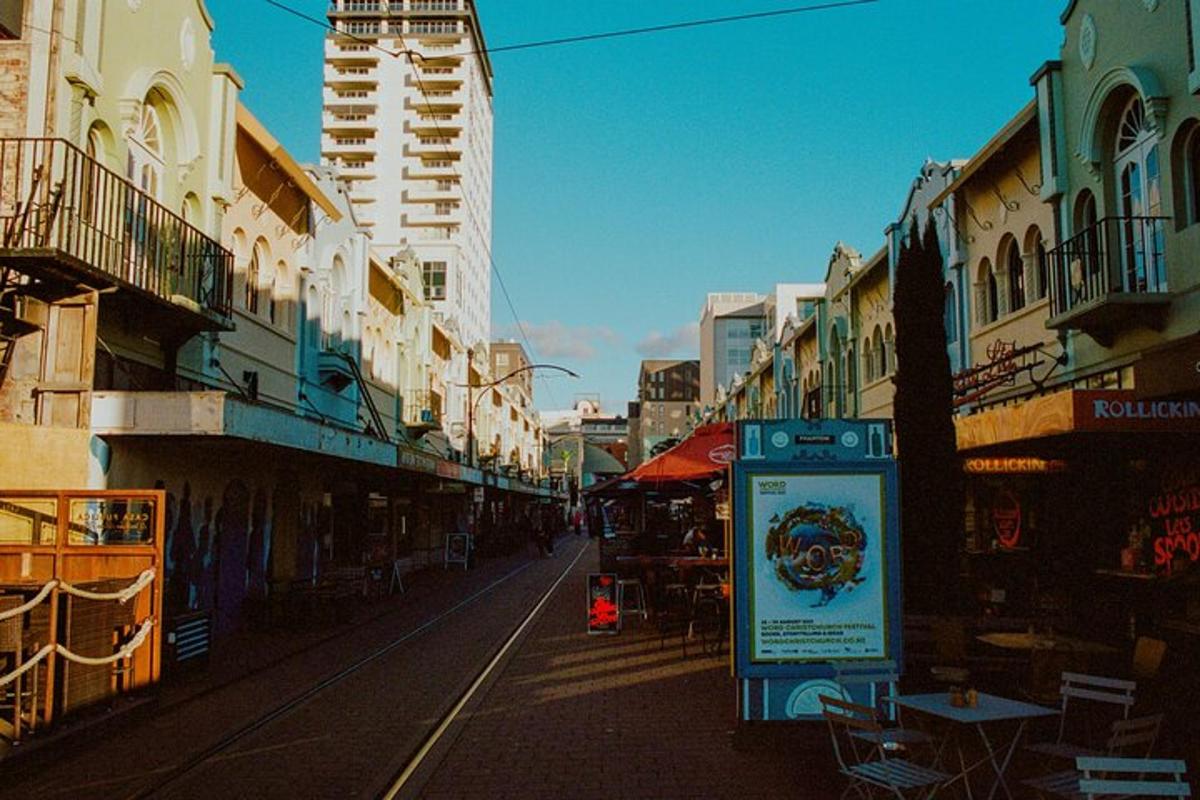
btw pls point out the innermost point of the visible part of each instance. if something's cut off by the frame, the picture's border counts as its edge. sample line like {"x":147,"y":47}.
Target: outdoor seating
{"x":1085,"y":692}
{"x":868,"y":676}
{"x":1147,"y":658}
{"x":673,"y":616}
{"x":11,"y":660}
{"x":1132,"y":777}
{"x":631,"y":588}
{"x":858,"y":746}
{"x":1129,"y":738}
{"x":710,"y":622}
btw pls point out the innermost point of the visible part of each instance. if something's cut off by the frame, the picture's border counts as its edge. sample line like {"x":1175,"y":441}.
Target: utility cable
{"x":592,"y":37}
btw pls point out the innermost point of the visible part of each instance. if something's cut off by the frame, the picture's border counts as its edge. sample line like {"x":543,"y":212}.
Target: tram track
{"x":177,"y":775}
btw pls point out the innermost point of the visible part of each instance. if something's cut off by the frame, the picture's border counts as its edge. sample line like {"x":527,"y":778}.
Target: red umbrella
{"x":704,"y":454}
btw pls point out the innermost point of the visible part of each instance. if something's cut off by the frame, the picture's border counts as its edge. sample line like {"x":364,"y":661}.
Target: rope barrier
{"x":28,"y":665}
{"x":123,"y":596}
{"x":134,"y":643}
{"x":126,"y":651}
{"x":37,"y":599}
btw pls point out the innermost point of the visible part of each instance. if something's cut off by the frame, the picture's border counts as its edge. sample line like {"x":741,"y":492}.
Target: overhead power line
{"x":593,"y":37}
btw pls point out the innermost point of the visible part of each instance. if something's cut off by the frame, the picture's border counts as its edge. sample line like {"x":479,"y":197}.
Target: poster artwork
{"x":458,"y":548}
{"x":603,"y":613}
{"x":817,"y":567}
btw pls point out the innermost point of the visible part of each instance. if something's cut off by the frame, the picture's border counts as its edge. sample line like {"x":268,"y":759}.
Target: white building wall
{"x":416,"y":137}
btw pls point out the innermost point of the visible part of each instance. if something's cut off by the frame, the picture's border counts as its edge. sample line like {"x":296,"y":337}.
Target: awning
{"x":705,"y":454}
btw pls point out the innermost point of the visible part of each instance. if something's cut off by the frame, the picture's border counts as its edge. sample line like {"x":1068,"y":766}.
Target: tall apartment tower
{"x":414,"y":138}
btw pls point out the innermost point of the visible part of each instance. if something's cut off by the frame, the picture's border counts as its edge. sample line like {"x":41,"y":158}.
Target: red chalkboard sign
{"x":603,"y":613}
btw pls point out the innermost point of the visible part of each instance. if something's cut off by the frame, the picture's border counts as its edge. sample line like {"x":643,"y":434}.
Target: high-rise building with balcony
{"x":414,"y":137}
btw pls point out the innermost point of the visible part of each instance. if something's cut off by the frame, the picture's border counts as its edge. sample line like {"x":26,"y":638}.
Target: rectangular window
{"x":434,"y":274}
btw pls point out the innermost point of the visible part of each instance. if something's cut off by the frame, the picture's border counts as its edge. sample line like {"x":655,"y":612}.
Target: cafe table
{"x":989,"y":713}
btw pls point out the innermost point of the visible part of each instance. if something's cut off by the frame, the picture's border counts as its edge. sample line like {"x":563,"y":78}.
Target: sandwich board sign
{"x":604,"y":615}
{"x":458,"y":549}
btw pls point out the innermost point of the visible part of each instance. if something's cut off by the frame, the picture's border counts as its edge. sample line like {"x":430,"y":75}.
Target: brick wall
{"x":14,"y":92}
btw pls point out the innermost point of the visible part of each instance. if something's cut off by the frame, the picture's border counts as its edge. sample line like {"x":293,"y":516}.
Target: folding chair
{"x":1129,"y":738}
{"x":1114,"y":693}
{"x":874,"y":674}
{"x":862,"y":758}
{"x":1132,"y":777}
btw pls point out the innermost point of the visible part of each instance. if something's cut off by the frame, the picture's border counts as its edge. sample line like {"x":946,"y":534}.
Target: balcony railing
{"x":422,"y":409}
{"x":1116,"y":256}
{"x":83,"y":222}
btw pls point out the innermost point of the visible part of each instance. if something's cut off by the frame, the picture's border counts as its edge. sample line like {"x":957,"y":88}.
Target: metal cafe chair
{"x":1132,"y":777}
{"x":1128,"y":738}
{"x":861,"y":756}
{"x":873,"y":674}
{"x":1076,"y":690}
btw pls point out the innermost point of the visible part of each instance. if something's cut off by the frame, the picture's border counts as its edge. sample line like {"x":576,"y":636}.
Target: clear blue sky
{"x":633,"y":176}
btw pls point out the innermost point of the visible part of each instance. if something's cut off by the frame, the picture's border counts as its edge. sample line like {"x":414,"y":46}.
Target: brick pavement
{"x":578,"y":716}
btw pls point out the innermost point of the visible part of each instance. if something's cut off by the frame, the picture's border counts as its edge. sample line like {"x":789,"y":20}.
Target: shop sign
{"x":1176,"y":523}
{"x":1013,"y":465}
{"x":1005,"y":362}
{"x":421,"y":462}
{"x":111,"y":520}
{"x":1123,"y":411}
{"x":1006,"y":519}
{"x":603,"y":613}
{"x":447,"y":469}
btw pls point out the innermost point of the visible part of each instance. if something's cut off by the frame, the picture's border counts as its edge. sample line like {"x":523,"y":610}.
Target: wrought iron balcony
{"x":1111,"y":275}
{"x":67,"y":219}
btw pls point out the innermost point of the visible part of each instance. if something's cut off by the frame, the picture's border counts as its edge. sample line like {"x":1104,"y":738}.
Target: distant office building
{"x":668,"y":399}
{"x":729,"y":324}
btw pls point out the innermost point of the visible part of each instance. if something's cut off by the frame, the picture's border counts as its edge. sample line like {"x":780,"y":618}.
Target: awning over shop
{"x":1076,"y":412}
{"x":704,"y":454}
{"x":599,"y":462}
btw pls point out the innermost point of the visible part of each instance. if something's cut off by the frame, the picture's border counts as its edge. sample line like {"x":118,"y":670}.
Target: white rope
{"x":19,"y":610}
{"x":137,"y":641}
{"x":123,"y":596}
{"x":28,"y":665}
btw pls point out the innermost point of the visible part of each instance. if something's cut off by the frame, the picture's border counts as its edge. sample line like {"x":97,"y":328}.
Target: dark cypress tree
{"x":931,"y":502}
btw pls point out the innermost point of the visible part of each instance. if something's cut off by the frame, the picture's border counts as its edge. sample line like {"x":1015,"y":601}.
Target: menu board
{"x":603,"y":613}
{"x":458,"y":548}
{"x":817,"y":567}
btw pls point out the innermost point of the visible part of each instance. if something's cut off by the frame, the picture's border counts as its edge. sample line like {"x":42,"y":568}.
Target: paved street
{"x":581,"y":716}
{"x":564,"y":714}
{"x":345,"y":741}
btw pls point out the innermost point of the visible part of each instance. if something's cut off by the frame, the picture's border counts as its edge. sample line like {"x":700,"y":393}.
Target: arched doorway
{"x":1139,"y":197}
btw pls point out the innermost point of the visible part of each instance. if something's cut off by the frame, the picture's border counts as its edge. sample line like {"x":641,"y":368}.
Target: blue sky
{"x":634,"y":175}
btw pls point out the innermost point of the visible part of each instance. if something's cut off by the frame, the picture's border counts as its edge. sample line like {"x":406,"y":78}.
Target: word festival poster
{"x":818,"y":568}
{"x":603,"y":613}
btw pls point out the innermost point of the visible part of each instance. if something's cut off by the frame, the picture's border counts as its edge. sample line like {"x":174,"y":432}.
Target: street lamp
{"x":472,"y":403}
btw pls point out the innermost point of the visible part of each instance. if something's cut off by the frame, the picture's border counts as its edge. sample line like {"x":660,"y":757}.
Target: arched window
{"x":253,"y":279}
{"x":889,"y":350}
{"x":1139,"y":194}
{"x":145,"y":164}
{"x":950,"y":313}
{"x":1192,"y":174}
{"x":879,"y":353}
{"x":868,"y":356}
{"x":1016,"y":277}
{"x":987,"y":299}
